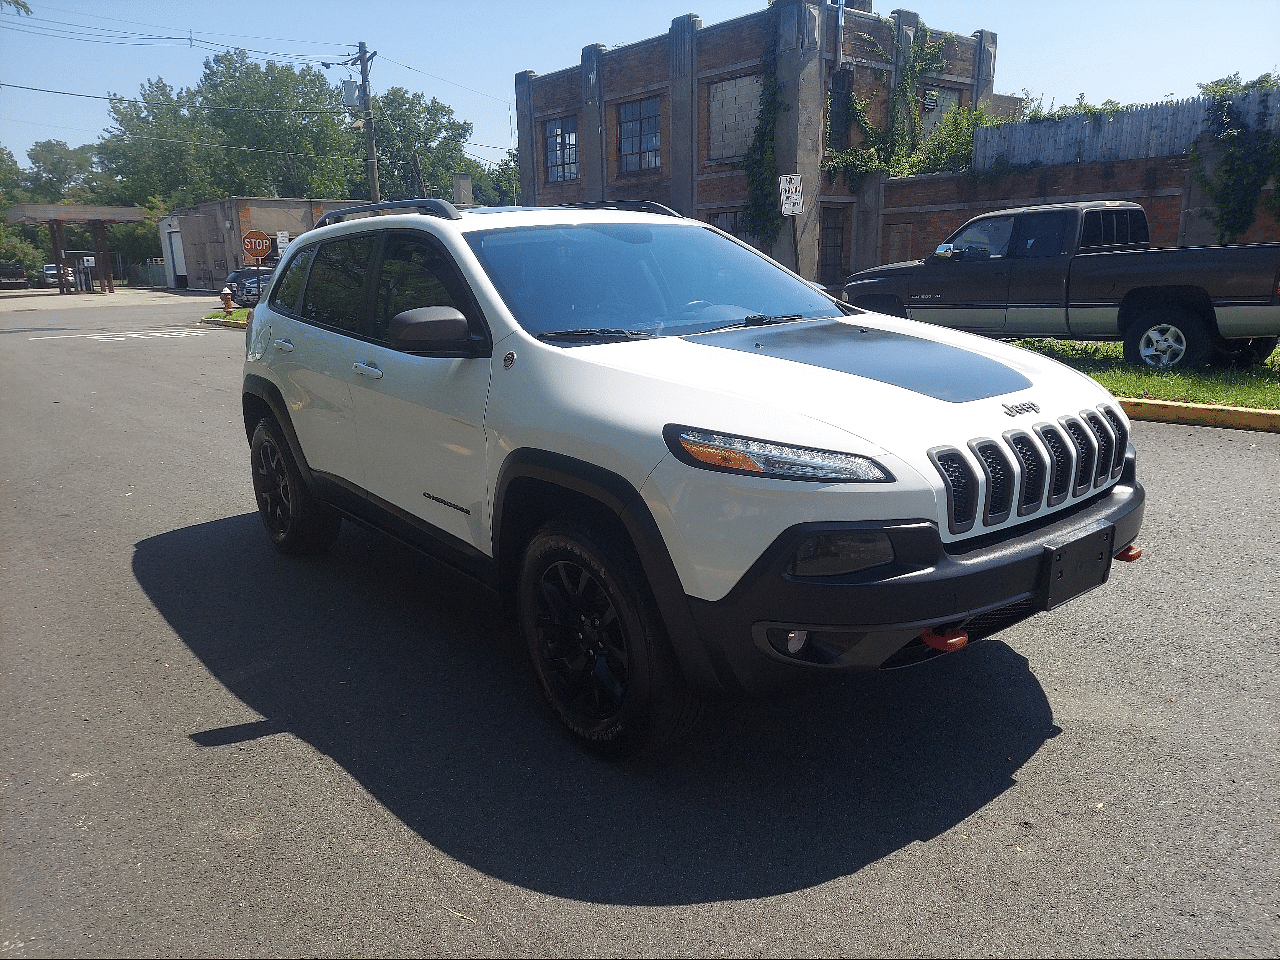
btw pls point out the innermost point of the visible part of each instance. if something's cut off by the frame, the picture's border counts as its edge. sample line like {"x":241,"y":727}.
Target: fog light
{"x":836,"y":554}
{"x":796,"y":641}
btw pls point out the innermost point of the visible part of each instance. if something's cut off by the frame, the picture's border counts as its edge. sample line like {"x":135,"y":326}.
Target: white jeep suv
{"x":691,"y":472}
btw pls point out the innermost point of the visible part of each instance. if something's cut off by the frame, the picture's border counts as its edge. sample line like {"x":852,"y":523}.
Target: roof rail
{"x":428,"y":207}
{"x":638,"y":206}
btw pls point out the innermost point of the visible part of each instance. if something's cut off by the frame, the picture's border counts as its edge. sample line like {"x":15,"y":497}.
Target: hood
{"x":899,"y":385}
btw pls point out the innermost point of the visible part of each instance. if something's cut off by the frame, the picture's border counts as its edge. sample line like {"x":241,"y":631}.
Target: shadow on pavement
{"x":403,"y":672}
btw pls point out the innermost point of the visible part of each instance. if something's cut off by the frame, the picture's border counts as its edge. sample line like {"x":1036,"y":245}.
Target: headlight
{"x":843,"y":552}
{"x":730,"y":454}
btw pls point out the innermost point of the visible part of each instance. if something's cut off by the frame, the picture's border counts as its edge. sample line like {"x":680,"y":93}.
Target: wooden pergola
{"x":58,"y":214}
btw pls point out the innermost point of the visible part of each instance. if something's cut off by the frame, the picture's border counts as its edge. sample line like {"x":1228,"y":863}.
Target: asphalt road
{"x":212,"y":750}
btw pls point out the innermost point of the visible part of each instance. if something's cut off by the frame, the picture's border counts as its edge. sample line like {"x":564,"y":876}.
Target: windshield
{"x":568,"y":282}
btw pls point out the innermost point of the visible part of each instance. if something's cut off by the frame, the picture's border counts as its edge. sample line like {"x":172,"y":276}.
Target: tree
{"x":59,"y":172}
{"x":244,"y":130}
{"x":408,"y":125}
{"x":158,"y":148}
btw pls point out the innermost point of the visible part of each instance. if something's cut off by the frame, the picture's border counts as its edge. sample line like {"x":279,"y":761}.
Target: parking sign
{"x":792,"y":193}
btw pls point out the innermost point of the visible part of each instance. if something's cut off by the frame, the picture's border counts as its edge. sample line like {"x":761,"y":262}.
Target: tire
{"x":1245,"y":352}
{"x":597,"y":644}
{"x":296,"y":521}
{"x":1168,"y":337}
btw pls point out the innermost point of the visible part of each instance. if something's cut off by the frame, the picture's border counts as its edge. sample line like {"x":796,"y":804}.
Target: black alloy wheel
{"x":295,"y":520}
{"x":597,"y":644}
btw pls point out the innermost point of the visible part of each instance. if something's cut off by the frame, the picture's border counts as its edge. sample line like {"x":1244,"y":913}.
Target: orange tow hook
{"x":948,"y":640}
{"x":1129,"y":554}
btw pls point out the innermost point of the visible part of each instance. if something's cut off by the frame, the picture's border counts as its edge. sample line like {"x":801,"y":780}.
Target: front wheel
{"x":597,"y":644}
{"x":296,"y":521}
{"x":1168,"y":337}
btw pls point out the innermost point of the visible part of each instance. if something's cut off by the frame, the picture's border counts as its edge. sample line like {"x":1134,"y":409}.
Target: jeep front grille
{"x":1000,"y":481}
{"x":1074,"y":456}
{"x":962,"y":487}
{"x":1122,"y":440}
{"x":1031,"y":491}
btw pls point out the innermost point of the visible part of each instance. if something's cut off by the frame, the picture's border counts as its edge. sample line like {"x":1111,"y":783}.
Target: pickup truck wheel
{"x":296,"y":521}
{"x":1244,"y":352}
{"x":1168,"y":337}
{"x":597,"y":644}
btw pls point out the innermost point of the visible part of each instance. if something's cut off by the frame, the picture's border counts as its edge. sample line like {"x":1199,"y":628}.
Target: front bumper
{"x":874,"y":619}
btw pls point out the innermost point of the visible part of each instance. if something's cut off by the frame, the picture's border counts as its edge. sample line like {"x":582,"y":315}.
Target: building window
{"x":562,"y":149}
{"x":639,"y":135}
{"x":733,"y":107}
{"x":831,"y":247}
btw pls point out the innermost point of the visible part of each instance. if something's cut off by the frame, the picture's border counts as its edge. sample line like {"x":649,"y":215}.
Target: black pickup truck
{"x":13,"y":276}
{"x":1087,"y":271}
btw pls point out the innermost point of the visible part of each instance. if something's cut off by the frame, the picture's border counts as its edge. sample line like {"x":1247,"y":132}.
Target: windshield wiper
{"x":755,"y":320}
{"x":595,"y":333}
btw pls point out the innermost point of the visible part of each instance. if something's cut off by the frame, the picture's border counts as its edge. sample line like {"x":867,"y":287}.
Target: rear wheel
{"x":1168,"y":337}
{"x":295,"y":519}
{"x":597,"y":644}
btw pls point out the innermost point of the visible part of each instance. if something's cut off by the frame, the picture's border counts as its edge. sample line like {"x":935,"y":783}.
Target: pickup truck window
{"x":1112,"y":228}
{"x":1040,"y":235}
{"x":984,"y":240}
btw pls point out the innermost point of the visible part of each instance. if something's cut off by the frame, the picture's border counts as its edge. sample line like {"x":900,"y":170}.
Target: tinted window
{"x":1041,"y":235}
{"x":984,"y":240}
{"x":285,"y":296}
{"x":335,"y":289}
{"x":414,"y":274}
{"x":1108,"y":228}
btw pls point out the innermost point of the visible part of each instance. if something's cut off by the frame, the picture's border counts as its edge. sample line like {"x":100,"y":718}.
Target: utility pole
{"x":370,"y":153}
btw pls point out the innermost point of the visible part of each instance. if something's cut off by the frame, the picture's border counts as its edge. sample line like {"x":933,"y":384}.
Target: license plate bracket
{"x":1078,"y":566}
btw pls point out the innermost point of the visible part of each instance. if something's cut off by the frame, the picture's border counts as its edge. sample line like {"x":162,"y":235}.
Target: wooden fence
{"x":1151,"y":130}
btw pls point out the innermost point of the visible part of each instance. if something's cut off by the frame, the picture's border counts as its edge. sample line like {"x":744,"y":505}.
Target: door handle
{"x":367,"y":370}
{"x":284,"y":346}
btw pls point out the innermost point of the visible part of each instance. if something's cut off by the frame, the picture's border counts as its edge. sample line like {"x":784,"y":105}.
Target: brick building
{"x":670,"y":118}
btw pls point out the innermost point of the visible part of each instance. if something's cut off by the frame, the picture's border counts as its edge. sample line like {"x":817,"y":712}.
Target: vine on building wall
{"x":762,"y":217}
{"x":1248,"y":155}
{"x":893,"y":148}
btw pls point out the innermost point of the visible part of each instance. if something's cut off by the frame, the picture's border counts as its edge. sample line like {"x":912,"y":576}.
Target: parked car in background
{"x":13,"y":276}
{"x":1087,"y":271}
{"x":247,"y":291}
{"x":237,"y":278}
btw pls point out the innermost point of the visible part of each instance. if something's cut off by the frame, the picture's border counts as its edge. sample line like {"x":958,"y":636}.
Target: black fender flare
{"x":616,"y":495}
{"x":269,"y":394}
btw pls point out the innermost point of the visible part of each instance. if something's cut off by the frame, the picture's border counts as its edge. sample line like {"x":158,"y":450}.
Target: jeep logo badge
{"x":1013,"y":409}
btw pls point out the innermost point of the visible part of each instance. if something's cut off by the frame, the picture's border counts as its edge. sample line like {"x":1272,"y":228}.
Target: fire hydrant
{"x":226,"y":300}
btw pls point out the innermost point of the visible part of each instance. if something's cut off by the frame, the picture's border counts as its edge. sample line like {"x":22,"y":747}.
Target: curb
{"x":1202,"y":415}
{"x":239,"y":324}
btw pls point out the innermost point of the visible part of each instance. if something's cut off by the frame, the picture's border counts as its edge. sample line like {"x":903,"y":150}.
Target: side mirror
{"x":428,"y":328}
{"x":946,"y":251}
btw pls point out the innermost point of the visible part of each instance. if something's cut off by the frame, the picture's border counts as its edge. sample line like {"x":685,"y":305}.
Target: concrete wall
{"x":204,"y":243}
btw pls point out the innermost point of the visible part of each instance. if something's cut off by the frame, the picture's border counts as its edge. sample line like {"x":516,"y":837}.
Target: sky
{"x":467,"y":54}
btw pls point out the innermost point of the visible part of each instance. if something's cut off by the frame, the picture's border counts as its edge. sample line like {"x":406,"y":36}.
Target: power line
{"x":443,"y":80}
{"x":337,"y":111}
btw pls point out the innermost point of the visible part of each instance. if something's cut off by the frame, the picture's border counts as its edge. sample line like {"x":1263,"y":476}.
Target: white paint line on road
{"x":136,"y":335}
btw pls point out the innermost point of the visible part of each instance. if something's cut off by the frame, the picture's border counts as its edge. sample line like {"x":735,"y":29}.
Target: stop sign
{"x":256,"y":244}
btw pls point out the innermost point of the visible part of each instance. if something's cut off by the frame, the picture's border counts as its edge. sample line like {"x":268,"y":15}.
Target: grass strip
{"x":1256,"y":387}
